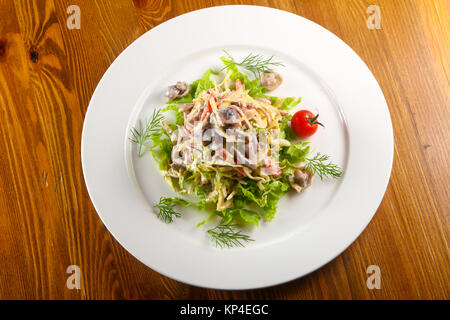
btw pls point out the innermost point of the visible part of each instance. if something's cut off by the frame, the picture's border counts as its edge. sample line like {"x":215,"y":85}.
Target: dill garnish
{"x":166,"y":212}
{"x":142,"y":135}
{"x":318,"y":166}
{"x":255,"y":63}
{"x":226,"y":236}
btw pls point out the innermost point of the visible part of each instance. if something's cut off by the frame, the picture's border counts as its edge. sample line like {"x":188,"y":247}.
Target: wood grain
{"x":47,"y":222}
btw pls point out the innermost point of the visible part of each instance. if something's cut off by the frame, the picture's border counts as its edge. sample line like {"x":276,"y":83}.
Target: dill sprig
{"x":142,"y":135}
{"x":318,"y":166}
{"x":255,"y":63}
{"x":226,"y":236}
{"x":166,"y":212}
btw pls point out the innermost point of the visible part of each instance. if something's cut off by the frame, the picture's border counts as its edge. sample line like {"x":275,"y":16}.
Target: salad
{"x":236,"y":149}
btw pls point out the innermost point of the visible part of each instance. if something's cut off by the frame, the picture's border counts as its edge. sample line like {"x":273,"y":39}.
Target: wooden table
{"x":47,"y":222}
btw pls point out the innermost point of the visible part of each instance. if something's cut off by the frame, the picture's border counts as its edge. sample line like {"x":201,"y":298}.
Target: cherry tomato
{"x":304,"y":123}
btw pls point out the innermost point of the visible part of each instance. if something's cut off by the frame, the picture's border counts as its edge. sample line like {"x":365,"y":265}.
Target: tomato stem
{"x":314,"y":121}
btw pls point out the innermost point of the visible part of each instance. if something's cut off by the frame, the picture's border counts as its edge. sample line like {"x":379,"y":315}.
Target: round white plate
{"x":310,"y":228}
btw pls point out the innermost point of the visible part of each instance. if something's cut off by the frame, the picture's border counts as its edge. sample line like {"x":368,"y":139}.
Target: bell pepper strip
{"x":239,"y":84}
{"x":208,"y":109}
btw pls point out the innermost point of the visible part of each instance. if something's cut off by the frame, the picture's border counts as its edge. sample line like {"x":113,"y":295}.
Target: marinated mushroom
{"x":241,"y":114}
{"x":178,"y":90}
{"x":185,"y":107}
{"x":271,"y":80}
{"x":229,"y":115}
{"x":301,"y":179}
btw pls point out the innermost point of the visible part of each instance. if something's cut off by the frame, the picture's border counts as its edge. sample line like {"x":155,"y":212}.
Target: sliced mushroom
{"x":301,"y":179}
{"x":185,"y":107}
{"x":178,"y":90}
{"x":232,"y":126}
{"x":229,"y":115}
{"x":242,"y":115}
{"x":271,"y":80}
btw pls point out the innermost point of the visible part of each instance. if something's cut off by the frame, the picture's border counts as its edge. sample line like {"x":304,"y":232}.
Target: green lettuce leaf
{"x":228,"y":215}
{"x":204,"y":83}
{"x":290,"y":103}
{"x":277,"y":189}
{"x":181,"y":202}
{"x":161,"y":148}
{"x":248,"y":216}
{"x":287,"y":167}
{"x":179,"y":116}
{"x":295,"y":153}
{"x":286,"y":131}
{"x":266,"y":198}
{"x":170,"y":107}
{"x":284,"y":103}
{"x":249,"y":192}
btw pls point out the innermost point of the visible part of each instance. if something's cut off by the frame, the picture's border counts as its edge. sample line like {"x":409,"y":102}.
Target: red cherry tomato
{"x":304,"y":123}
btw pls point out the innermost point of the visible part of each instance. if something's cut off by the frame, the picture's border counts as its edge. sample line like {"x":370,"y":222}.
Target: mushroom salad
{"x":224,"y":140}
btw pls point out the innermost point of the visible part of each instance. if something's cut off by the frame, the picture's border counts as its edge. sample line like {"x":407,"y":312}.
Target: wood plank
{"x":47,"y":222}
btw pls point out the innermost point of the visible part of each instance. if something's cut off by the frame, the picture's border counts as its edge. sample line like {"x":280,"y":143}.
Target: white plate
{"x":310,"y":228}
